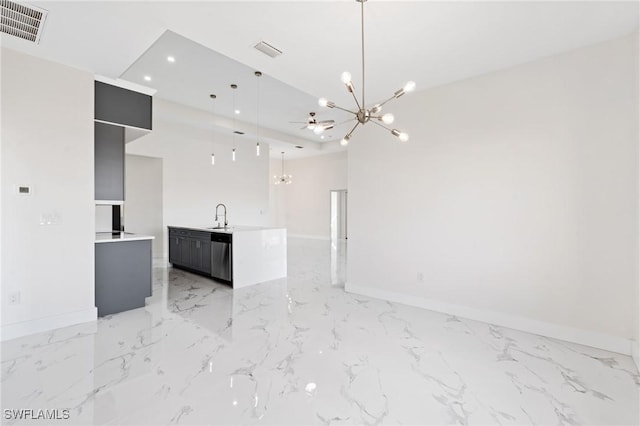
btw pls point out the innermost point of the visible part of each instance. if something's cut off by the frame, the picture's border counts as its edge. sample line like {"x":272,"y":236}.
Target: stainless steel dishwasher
{"x":221,"y":256}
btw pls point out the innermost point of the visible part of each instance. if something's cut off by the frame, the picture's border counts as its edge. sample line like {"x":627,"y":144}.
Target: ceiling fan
{"x":316,"y":126}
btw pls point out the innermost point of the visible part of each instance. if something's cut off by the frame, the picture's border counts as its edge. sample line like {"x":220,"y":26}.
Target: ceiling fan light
{"x":387,"y":118}
{"x":346,"y":78}
{"x":318,"y":129}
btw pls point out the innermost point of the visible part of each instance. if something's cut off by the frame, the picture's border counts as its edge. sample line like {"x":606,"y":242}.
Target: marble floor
{"x":301,"y":351}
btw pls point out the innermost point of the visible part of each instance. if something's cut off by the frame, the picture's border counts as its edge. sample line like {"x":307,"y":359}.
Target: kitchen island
{"x":238,"y":255}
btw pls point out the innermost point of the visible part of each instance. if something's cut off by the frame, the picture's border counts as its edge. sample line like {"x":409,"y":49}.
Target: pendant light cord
{"x":258,"y":75}
{"x":362,"y":32}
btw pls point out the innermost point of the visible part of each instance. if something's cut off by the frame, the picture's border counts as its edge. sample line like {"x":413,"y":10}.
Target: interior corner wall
{"x":191,"y":185}
{"x":143,"y":195}
{"x":516,"y":198}
{"x":303,"y":207}
{"x":48,"y":236}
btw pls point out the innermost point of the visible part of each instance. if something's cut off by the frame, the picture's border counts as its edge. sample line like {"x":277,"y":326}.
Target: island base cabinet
{"x":123,"y":276}
{"x":190,"y":250}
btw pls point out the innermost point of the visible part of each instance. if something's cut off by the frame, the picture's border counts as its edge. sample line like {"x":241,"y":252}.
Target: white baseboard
{"x":312,"y":237}
{"x":635,"y":354}
{"x":541,"y":328}
{"x":25,"y":328}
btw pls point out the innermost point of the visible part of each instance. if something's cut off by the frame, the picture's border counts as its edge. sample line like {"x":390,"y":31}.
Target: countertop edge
{"x":126,"y":238}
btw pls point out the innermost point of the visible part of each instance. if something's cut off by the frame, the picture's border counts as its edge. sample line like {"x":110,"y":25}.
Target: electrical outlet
{"x":420,"y":277}
{"x":14,"y":298}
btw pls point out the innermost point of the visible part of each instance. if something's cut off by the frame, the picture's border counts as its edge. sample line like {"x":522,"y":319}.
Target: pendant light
{"x":258,"y":74}
{"x":235,"y":112}
{"x":283,"y":178}
{"x":213,"y":129}
{"x":363,"y":115}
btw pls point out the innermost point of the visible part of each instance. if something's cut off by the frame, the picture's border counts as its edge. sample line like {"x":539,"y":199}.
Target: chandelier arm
{"x":353,"y":129}
{"x":355,"y":98}
{"x":387,"y":100}
{"x":382,"y":125}
{"x":345,"y":110}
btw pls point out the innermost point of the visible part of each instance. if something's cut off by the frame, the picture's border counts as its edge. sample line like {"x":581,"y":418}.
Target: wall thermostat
{"x":23,"y":189}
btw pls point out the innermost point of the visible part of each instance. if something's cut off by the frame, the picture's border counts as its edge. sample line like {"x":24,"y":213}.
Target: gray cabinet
{"x":114,"y":104}
{"x":109,"y":162}
{"x":123,"y":275}
{"x":190,"y":249}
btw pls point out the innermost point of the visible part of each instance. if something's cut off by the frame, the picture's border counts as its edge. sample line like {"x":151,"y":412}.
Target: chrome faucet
{"x":225,"y":215}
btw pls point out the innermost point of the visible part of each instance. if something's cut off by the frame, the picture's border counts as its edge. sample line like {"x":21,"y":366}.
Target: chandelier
{"x":283,"y":178}
{"x":364,"y":115}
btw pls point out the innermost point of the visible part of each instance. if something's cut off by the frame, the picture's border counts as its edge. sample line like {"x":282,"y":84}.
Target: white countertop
{"x":228,"y":230}
{"x":115,"y":237}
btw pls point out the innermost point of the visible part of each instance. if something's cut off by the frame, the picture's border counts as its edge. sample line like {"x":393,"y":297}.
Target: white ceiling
{"x":432,"y":43}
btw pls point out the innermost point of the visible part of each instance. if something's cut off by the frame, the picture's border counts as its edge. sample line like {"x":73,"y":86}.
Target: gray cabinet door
{"x":123,"y":276}
{"x":109,"y":162}
{"x":126,"y":107}
{"x":174,"y":249}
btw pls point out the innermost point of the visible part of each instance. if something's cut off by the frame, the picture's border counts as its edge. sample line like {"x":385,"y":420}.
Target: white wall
{"x":47,"y":142}
{"x":191,"y":186}
{"x":516,"y":197}
{"x":303,"y":207}
{"x":143,"y":199}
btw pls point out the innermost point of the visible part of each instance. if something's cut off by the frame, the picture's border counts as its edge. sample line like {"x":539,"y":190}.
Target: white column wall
{"x":47,"y":143}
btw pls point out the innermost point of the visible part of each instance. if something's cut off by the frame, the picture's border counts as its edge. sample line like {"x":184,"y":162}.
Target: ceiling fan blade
{"x":298,"y":122}
{"x":326,"y":122}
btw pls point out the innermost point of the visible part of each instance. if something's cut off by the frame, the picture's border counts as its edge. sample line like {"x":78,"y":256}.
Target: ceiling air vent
{"x":268,"y":49}
{"x":22,"y":21}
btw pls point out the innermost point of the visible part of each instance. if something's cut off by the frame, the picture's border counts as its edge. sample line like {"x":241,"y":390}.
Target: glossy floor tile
{"x":301,"y":351}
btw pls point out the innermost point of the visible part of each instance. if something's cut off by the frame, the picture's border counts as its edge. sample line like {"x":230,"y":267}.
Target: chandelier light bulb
{"x":323,"y":102}
{"x":409,"y":87}
{"x":346,"y":77}
{"x":387,"y":118}
{"x":345,"y":140}
{"x":400,"y":135}
{"x":258,"y":149}
{"x":233,"y":155}
{"x":376,"y":109}
{"x":213,"y":159}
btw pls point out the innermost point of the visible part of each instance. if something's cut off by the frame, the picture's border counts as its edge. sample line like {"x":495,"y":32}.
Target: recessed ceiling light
{"x":321,"y":136}
{"x":237,"y":111}
{"x":171,"y":59}
{"x":147,"y":78}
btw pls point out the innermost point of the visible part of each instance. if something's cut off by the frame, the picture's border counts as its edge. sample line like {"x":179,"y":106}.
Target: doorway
{"x":339,"y":215}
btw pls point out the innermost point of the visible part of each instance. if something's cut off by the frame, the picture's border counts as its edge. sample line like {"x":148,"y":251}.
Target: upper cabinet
{"x":109,"y":162}
{"x":124,"y":107}
{"x":121,"y":115}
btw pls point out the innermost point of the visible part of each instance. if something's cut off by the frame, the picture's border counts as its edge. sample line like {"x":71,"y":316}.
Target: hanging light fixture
{"x":213,"y":156}
{"x":258,"y":74}
{"x":235,"y":112}
{"x":364,"y":115}
{"x":283,"y":178}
